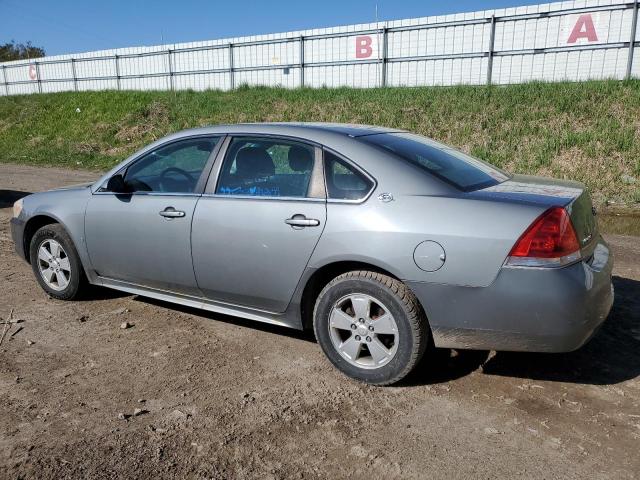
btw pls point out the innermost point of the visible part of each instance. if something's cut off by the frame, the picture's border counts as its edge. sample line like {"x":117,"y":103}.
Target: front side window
{"x":344,"y":182}
{"x":174,"y":168}
{"x":456,"y":168}
{"x":266,"y":167}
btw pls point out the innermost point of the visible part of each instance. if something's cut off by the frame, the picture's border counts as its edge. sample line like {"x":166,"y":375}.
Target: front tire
{"x":56,"y":264}
{"x":371,"y":327}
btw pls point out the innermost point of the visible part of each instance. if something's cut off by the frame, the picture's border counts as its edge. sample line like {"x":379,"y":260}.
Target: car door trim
{"x":271,"y":199}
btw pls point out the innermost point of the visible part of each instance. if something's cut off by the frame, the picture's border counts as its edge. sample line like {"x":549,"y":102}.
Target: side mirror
{"x":116,"y":184}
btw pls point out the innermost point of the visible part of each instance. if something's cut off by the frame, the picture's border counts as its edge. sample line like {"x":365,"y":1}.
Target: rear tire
{"x":371,"y":327}
{"x":56,"y":263}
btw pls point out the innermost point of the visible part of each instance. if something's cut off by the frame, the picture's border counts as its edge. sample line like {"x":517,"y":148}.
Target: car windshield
{"x":456,"y":168}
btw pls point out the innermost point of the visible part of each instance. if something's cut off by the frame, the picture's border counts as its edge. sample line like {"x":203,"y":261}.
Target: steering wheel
{"x":179,"y":171}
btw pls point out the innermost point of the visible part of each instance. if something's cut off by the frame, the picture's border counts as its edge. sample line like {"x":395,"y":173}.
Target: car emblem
{"x":385,"y":197}
{"x":587,"y":238}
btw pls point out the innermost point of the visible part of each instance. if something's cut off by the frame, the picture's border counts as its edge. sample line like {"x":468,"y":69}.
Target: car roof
{"x":310,"y":130}
{"x":349,"y":129}
{"x":338,"y":137}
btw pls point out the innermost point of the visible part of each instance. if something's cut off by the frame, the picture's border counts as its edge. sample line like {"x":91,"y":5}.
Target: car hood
{"x":78,"y":186}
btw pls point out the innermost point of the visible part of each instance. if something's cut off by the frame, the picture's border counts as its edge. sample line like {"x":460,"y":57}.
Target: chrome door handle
{"x":171,"y":212}
{"x":299,"y":220}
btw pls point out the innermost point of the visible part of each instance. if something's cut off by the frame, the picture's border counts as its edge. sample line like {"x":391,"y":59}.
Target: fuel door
{"x":429,"y":256}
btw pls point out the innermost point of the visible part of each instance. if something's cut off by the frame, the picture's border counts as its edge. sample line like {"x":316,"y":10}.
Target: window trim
{"x":356,"y":167}
{"x":202,"y":179}
{"x":212,"y":182}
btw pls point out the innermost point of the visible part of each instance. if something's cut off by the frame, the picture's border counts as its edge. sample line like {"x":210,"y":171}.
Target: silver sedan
{"x":385,"y":243}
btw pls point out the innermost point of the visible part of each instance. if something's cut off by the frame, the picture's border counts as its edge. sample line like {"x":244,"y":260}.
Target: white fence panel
{"x":85,"y":85}
{"x":262,"y":55}
{"x":18,"y":73}
{"x":146,"y":83}
{"x":203,"y":81}
{"x":144,"y":65}
{"x":55,"y":71}
{"x":53,"y":87}
{"x":575,"y":40}
{"x":200,"y":60}
{"x":341,"y":49}
{"x":281,"y":77}
{"x":22,"y":88}
{"x":95,"y":68}
{"x":359,"y":76}
{"x":452,"y":71}
{"x":439,"y":41}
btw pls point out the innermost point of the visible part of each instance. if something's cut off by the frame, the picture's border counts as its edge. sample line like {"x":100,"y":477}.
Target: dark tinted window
{"x":264,"y":167}
{"x":174,"y":168}
{"x":460,"y":170}
{"x":343,"y":181}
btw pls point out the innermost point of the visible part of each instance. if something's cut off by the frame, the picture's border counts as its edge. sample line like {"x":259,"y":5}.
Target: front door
{"x":256,"y":228}
{"x":142,"y":236}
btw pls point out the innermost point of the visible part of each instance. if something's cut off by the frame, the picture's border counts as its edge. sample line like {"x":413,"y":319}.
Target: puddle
{"x":619,"y":224}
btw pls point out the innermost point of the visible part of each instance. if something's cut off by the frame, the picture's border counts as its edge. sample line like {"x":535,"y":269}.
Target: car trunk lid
{"x":547,"y":193}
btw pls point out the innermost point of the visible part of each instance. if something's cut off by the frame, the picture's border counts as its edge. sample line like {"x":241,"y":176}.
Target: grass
{"x":585,"y":131}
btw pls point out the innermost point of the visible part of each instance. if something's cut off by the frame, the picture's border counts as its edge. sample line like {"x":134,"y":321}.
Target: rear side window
{"x":456,"y":168}
{"x":266,"y":167}
{"x":344,"y":182}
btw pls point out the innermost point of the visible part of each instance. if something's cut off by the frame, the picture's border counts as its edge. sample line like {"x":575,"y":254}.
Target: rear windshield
{"x":456,"y":168}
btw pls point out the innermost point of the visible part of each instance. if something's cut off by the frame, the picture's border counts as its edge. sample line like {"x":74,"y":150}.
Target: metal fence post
{"x":383,"y":59}
{"x":632,"y":39}
{"x":4,"y":79}
{"x":117,"y":71}
{"x":492,"y":39}
{"x":73,"y":72}
{"x":232,"y":80}
{"x":171,"y":86}
{"x":38,"y":76}
{"x":301,"y":61}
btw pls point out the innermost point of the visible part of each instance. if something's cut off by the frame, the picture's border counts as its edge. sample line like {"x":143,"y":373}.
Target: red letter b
{"x":363,"y":47}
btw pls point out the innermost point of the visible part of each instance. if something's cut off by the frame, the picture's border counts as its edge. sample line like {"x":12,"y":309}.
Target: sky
{"x":65,"y":26}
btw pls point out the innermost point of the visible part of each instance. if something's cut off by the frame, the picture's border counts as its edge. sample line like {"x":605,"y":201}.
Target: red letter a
{"x":583,"y":29}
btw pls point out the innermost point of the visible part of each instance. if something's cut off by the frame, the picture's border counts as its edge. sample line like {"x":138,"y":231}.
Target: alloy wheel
{"x":54,"y":265}
{"x":363,"y":331}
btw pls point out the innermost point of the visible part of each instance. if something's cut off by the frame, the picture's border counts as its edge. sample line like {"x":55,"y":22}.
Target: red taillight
{"x":551,"y":236}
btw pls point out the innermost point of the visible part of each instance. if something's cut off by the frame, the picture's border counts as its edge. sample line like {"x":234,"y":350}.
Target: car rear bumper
{"x":17,"y":234}
{"x":524,"y":309}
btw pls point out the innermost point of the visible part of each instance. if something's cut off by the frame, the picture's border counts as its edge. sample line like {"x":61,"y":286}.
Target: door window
{"x":173,"y":168}
{"x":344,"y":182}
{"x":266,"y":167}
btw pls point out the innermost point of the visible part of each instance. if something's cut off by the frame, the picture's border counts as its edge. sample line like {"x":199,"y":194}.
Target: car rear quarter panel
{"x":476,"y":235}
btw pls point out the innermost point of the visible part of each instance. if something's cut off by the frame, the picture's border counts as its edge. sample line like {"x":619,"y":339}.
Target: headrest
{"x":300,"y":159}
{"x":254,"y":162}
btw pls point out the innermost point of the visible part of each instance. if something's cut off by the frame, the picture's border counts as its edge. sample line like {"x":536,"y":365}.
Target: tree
{"x":19,"y":51}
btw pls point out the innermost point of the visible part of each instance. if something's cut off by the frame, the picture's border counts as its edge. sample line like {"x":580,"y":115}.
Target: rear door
{"x":259,"y":221}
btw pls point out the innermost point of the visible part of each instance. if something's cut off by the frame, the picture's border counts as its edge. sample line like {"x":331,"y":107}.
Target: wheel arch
{"x":322,"y":276}
{"x":32,"y":226}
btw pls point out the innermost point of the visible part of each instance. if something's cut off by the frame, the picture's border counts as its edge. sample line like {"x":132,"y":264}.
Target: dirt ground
{"x":227,"y":398}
